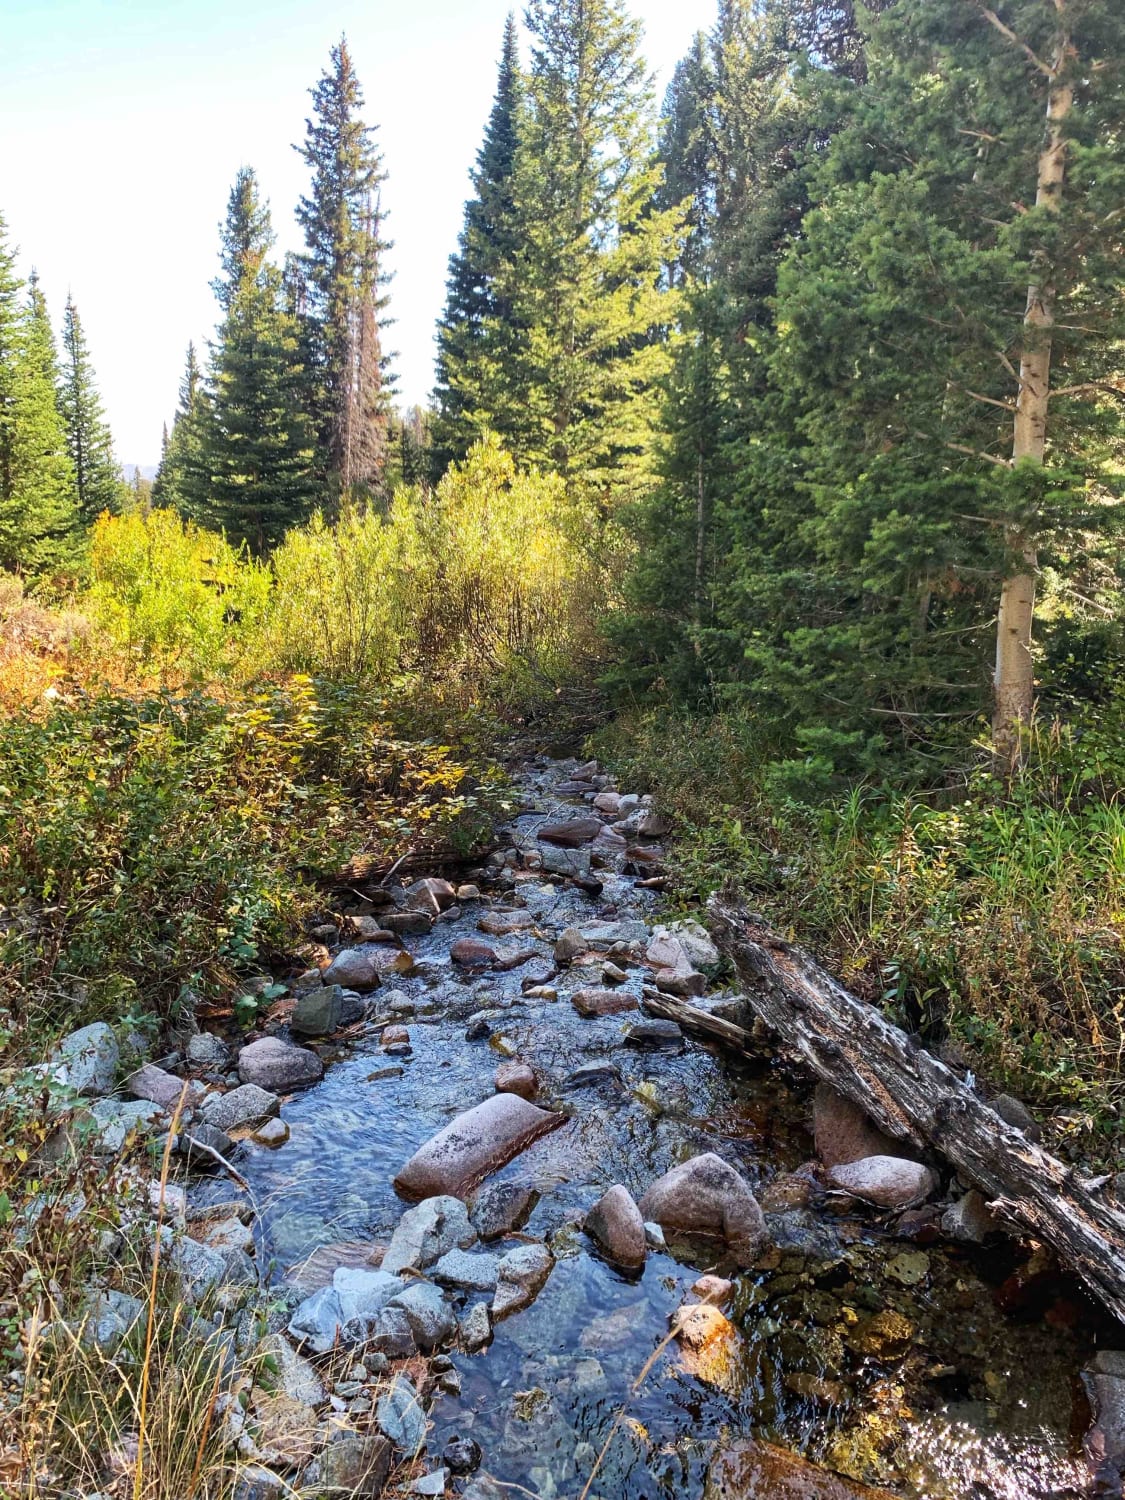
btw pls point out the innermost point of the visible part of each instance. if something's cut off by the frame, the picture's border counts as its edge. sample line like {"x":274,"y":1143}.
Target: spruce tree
{"x":587,"y":284}
{"x":183,"y":481}
{"x":479,"y":332}
{"x":97,"y":477}
{"x":39,"y":522}
{"x":342,"y":284}
{"x":257,"y":440}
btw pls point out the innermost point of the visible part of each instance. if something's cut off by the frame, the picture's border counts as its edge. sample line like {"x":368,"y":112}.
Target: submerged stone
{"x":473,"y":1145}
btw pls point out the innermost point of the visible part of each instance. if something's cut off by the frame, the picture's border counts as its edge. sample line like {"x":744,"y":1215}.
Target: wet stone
{"x":591,"y":1003}
{"x":501,"y":1207}
{"x":473,"y":1145}
{"x":654,"y":1033}
{"x":886,"y":1181}
{"x":477,"y":1271}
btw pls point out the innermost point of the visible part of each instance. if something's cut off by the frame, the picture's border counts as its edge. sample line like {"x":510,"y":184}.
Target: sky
{"x":123,"y":123}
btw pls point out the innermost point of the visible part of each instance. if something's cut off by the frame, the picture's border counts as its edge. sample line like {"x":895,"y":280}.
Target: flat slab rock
{"x":476,"y":1143}
{"x":886,"y":1181}
{"x":707,"y":1196}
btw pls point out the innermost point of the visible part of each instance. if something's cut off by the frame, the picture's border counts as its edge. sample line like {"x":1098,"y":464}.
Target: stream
{"x":938,"y":1371}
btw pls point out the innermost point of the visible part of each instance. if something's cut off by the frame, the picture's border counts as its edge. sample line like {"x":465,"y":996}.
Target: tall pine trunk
{"x":1014,"y":681}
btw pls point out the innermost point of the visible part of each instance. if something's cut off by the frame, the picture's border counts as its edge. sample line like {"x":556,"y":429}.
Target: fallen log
{"x":915,"y":1098}
{"x":692,"y":1018}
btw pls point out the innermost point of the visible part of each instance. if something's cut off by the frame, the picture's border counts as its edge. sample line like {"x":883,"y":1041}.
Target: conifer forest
{"x":569,"y":940}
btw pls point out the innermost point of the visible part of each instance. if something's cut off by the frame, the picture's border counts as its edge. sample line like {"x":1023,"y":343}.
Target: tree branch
{"x":1009,"y":35}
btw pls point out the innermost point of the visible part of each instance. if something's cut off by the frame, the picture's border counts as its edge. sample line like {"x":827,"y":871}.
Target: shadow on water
{"x":886,"y":1362}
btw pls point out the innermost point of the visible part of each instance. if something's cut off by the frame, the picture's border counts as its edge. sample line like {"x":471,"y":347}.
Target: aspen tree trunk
{"x":1014,"y":682}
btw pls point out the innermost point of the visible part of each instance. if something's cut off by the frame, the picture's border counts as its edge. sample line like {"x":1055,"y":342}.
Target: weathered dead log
{"x":692,"y":1018}
{"x":915,"y":1098}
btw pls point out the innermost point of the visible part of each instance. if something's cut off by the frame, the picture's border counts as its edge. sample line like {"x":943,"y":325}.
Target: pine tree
{"x":342,"y":280}
{"x":183,"y":481}
{"x":257,"y":440}
{"x":588,"y":282}
{"x":479,"y":333}
{"x":39,"y":524}
{"x":96,"y":474}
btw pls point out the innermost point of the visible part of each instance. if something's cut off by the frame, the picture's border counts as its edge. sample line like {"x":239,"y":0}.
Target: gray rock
{"x":345,"y":1311}
{"x":428,"y":1313}
{"x":843,"y":1132}
{"x":390,"y":1333}
{"x":654,"y":1236}
{"x":571,"y":832}
{"x":566,"y":861}
{"x":317,"y":1013}
{"x":431,"y":894}
{"x":198,"y":1267}
{"x":116,"y":1120}
{"x":87,"y":1060}
{"x":473,"y":1145}
{"x":969,"y":1220}
{"x":289,"y":1371}
{"x":246,"y":1105}
{"x":590,"y":1075}
{"x":275,"y":1065}
{"x":654,"y":1033}
{"x":522,"y":1273}
{"x":425,"y":1233}
{"x":692,"y":936}
{"x":355,"y":969}
{"x":616,"y":1223}
{"x":1015,"y":1113}
{"x":354,"y":1467}
{"x":198,"y":1140}
{"x":430,"y":1484}
{"x":602,"y":936}
{"x":684,"y":984}
{"x":501,"y":1207}
{"x":504,"y":923}
{"x":569,"y":945}
{"x":255,"y":1482}
{"x":886,"y":1181}
{"x":707,"y":1196}
{"x":408,"y":923}
{"x":110,"y":1317}
{"x":230,"y":1234}
{"x":154,"y":1084}
{"x":353,"y":1007}
{"x":207,"y":1051}
{"x":475,"y":1327}
{"x":478,"y":1271}
{"x":401,"y":1418}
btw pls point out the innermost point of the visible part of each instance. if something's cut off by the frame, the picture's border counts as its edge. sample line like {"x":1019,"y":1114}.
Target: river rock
{"x":594,"y":1002}
{"x":1015,"y":1113}
{"x":408,"y":923}
{"x":603,"y":935}
{"x":707,"y":1196}
{"x":390,"y":1333}
{"x":522,"y":1272}
{"x":431,"y":894}
{"x":608,"y":803}
{"x":207,"y":1051}
{"x":475,"y":1327}
{"x":693,"y":938}
{"x":616,"y":1223}
{"x":87,"y":1060}
{"x":886,"y":1181}
{"x":246,"y":1105}
{"x":684,"y":984}
{"x":473,"y":1145}
{"x":501,"y":1207}
{"x":425,"y":1233}
{"x":746,"y":1469}
{"x":289,"y":1371}
{"x":472,"y":953}
{"x":317,"y":1013}
{"x":154,"y":1084}
{"x":343,"y":1312}
{"x":842,"y":1132}
{"x":572,"y":832}
{"x":353,"y":1467}
{"x":108,"y":1317}
{"x":358,"y":968}
{"x":278,"y":1066}
{"x":654,"y":1033}
{"x":516,"y":1078}
{"x":572,"y":862}
{"x":199,"y":1140}
{"x":504,"y":923}
{"x":400,"y":1416}
{"x":593,"y":1074}
{"x":969,"y":1219}
{"x":475,"y":1270}
{"x":427,"y":1312}
{"x":570,"y":944}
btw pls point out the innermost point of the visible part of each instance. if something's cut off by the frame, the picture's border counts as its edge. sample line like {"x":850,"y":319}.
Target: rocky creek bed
{"x":460,"y":1202}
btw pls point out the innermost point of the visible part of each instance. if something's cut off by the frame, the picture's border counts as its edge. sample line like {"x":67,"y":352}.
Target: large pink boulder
{"x":476,"y":1143}
{"x":843,"y":1132}
{"x":707,"y":1196}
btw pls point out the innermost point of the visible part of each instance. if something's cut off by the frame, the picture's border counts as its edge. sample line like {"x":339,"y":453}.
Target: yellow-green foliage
{"x":491,"y":579}
{"x":171,"y":593}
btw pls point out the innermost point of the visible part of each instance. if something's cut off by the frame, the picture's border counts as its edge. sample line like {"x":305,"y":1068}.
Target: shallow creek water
{"x":884,"y":1361}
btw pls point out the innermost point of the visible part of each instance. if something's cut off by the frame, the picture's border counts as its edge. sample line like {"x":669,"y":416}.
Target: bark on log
{"x":915,"y":1098}
{"x":691,"y":1018}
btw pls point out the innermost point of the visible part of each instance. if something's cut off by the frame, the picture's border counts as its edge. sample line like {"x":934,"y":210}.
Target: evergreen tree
{"x":96,"y":474}
{"x":478,"y":333}
{"x":342,"y":283}
{"x":182,"y":481}
{"x":587,"y":284}
{"x":39,"y":524}
{"x":257,"y":441}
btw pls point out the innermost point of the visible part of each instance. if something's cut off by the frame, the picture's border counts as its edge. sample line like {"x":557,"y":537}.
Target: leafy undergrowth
{"x":989,"y":916}
{"x":157,"y":845}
